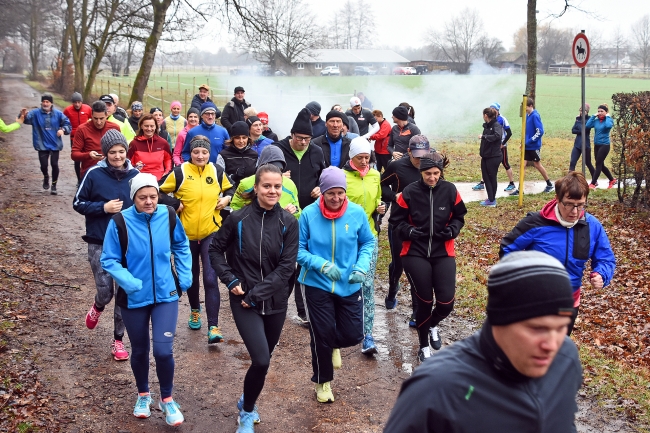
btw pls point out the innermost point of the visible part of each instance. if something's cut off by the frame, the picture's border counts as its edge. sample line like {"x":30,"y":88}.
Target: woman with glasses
{"x":564,"y":230}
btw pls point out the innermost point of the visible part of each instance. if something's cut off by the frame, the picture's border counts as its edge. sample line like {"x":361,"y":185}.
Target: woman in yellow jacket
{"x":364,"y":189}
{"x":203,"y":189}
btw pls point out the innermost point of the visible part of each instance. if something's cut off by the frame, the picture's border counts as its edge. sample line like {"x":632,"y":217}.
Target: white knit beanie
{"x":142,"y":180}
{"x":359,"y":145}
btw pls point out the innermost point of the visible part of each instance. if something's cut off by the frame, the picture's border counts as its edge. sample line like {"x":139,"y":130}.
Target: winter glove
{"x":416,"y":233}
{"x":331,"y":271}
{"x":446,"y":233}
{"x":356,"y":277}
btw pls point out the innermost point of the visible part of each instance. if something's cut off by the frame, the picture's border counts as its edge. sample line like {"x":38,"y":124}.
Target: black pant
{"x":574,"y":316}
{"x":334,"y":322}
{"x":489,"y":170}
{"x":53,"y":156}
{"x":600,"y":153}
{"x":261,"y":334}
{"x":297,"y":294}
{"x":429,"y":276}
{"x":395,"y":268}
{"x":575,"y":156}
{"x":382,"y":161}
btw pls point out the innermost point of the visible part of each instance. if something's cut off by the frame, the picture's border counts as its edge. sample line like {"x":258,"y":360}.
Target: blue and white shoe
{"x":172,"y":412}
{"x":549,"y":188}
{"x":488,"y":203}
{"x":142,"y":407}
{"x":368,"y":347}
{"x":510,"y":187}
{"x":479,"y":186}
{"x":240,"y":407}
{"x":412,"y":322}
{"x":246,"y":423}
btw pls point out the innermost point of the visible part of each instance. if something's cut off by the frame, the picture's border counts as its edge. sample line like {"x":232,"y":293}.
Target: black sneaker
{"x":434,"y":338}
{"x":424,"y":354}
{"x":515,"y":192}
{"x":390,"y":304}
{"x":46,"y":182}
{"x":53,"y":189}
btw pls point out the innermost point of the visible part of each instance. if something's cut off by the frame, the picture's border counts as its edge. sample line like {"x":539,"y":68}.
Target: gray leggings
{"x":105,"y":289}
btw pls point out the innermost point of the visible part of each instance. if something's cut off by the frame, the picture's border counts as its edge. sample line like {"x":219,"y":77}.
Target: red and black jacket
{"x":438,"y":211}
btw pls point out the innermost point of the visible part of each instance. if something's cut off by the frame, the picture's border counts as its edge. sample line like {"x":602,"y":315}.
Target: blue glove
{"x":356,"y":277}
{"x":331,"y":271}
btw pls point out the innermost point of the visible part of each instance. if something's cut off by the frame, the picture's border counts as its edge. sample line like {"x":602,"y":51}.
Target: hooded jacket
{"x":541,"y":231}
{"x":534,"y":131}
{"x":577,"y":130}
{"x":77,"y":117}
{"x":215,"y":133}
{"x":99,"y":186}
{"x":148,"y":278}
{"x":398,"y":175}
{"x":238,"y":163}
{"x":261,"y":143}
{"x":439,"y":212}
{"x":45,"y":125}
{"x":261,"y":248}
{"x":601,"y":129}
{"x":364,"y":191}
{"x":471,"y":386}
{"x":233,"y":112}
{"x":326,"y":147}
{"x":305,"y":172}
{"x":87,"y":139}
{"x":491,"y":140}
{"x":154,"y":152}
{"x":318,"y":127}
{"x":398,"y":140}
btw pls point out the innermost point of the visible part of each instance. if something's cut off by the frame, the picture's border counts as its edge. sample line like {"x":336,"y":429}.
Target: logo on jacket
{"x":209,"y":180}
{"x":346,"y":228}
{"x":442,"y":208}
{"x":189,"y":176}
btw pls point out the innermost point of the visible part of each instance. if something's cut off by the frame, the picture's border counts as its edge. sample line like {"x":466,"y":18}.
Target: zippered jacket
{"x":215,"y":133}
{"x":246,"y":186}
{"x":45,"y":126}
{"x":238,"y":163}
{"x":148,"y":278}
{"x":77,"y":117}
{"x":534,"y":131}
{"x":541,"y":231}
{"x":491,"y":140}
{"x":438,"y":211}
{"x":154,"y":152}
{"x":577,"y":130}
{"x":260,"y":249}
{"x":364,"y":191}
{"x":174,"y":127}
{"x":398,"y":140}
{"x":381,"y":138}
{"x":326,"y":147}
{"x":305,"y":172}
{"x":346,"y":241}
{"x":399,"y":174}
{"x":601,"y":129}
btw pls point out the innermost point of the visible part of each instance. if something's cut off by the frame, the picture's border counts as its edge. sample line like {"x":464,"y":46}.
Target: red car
{"x":400,"y":70}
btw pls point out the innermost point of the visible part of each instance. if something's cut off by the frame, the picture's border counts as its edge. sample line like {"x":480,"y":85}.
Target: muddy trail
{"x":84,"y":390}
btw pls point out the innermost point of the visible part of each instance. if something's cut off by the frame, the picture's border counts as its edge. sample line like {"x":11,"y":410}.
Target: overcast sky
{"x":406,"y":22}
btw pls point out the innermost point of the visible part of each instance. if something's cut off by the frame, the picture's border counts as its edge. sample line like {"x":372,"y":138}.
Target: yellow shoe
{"x":324,"y":393}
{"x":336,"y":359}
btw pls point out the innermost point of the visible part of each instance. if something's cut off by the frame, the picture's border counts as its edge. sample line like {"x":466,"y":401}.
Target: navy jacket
{"x":577,"y":130}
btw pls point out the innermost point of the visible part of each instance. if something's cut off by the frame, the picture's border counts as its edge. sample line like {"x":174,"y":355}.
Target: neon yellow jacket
{"x":289,"y":194}
{"x":174,"y":127}
{"x":125,"y":128}
{"x":8,"y":128}
{"x":366,"y":191}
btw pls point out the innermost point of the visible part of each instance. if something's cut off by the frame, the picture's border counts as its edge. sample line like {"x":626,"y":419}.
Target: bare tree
{"x":641,"y":38}
{"x":520,"y":40}
{"x":460,"y":38}
{"x":619,"y":43}
{"x":489,"y":48}
{"x":352,"y":26}
{"x":554,"y":45}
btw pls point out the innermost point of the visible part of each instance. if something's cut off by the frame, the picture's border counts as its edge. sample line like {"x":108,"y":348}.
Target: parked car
{"x":364,"y":70}
{"x":331,"y":70}
{"x":400,"y":70}
{"x":280,"y":73}
{"x":422,"y":69}
{"x":411,"y":70}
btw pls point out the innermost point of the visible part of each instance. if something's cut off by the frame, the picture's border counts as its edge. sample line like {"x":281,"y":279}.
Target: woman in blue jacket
{"x":335,"y":250}
{"x":147,"y":291}
{"x":602,"y":124}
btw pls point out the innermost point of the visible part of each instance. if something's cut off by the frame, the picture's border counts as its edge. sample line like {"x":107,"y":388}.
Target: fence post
{"x":162,"y":99}
{"x":185,"y":101}
{"x":101,"y":88}
{"x":108,"y":86}
{"x":178,"y":80}
{"x":168,"y":81}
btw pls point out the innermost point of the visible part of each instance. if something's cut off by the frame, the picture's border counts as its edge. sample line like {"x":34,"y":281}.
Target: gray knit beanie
{"x":111,"y":138}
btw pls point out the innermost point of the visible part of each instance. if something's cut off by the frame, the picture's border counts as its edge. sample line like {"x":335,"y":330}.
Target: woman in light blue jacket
{"x":137,"y":252}
{"x":602,"y":124}
{"x":335,"y":249}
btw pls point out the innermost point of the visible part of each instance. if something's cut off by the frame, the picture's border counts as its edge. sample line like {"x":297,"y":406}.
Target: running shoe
{"x":612,"y":183}
{"x":301,"y":319}
{"x":434,"y":338}
{"x":53,"y":189}
{"x":549,"y":188}
{"x":510,"y":187}
{"x":324,"y":393}
{"x":592,"y":186}
{"x":515,"y":192}
{"x":412,"y":322}
{"x":214,"y":335}
{"x":336,"y":359}
{"x":46,"y":182}
{"x":172,"y":412}
{"x":391,"y":304}
{"x":424,"y":353}
{"x":240,"y":407}
{"x":368,"y":347}
{"x":92,"y":317}
{"x":245,"y":422}
{"x":479,"y":186}
{"x":119,"y":352}
{"x":488,"y":203}
{"x":142,"y":407}
{"x":194,"y":322}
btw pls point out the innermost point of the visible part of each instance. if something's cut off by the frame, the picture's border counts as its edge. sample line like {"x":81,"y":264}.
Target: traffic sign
{"x":581,"y":50}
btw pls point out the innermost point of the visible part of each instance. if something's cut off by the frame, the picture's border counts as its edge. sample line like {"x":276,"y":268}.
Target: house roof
{"x":352,"y":56}
{"x":510,"y":56}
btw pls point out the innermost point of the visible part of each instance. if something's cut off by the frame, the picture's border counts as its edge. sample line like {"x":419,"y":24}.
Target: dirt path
{"x":90,"y":392}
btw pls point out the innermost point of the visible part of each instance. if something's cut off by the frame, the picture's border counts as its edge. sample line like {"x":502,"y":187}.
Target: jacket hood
{"x":271,"y":154}
{"x":104,"y":164}
{"x":548,"y":211}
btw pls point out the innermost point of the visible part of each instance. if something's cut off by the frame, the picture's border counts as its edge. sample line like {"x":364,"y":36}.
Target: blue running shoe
{"x":194,"y":321}
{"x":549,"y":188}
{"x":412,"y":323}
{"x":142,"y":407}
{"x":246,"y":422}
{"x":479,"y":186}
{"x":368,"y":347}
{"x":172,"y":412}
{"x":391,"y":304}
{"x":488,"y":203}
{"x":240,"y":407}
{"x":510,"y":187}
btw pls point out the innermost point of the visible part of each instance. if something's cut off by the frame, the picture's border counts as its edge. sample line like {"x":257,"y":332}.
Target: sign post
{"x":580,"y":52}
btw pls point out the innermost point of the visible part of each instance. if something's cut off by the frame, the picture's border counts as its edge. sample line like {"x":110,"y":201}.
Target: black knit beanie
{"x":342,"y":116}
{"x":401,"y":113}
{"x":111,"y":138}
{"x":47,"y":97}
{"x":239,"y":128}
{"x":302,"y":124}
{"x":528,"y":284}
{"x":193,"y":110}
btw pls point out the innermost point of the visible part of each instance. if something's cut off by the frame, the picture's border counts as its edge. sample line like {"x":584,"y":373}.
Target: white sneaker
{"x":434,"y":338}
{"x":424,"y":353}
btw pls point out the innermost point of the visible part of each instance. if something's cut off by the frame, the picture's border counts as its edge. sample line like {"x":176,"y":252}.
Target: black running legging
{"x":489,"y":170}
{"x":261,"y":334}
{"x":429,"y":276}
{"x":576,"y":153}
{"x":77,"y":170}
{"x":600,"y":153}
{"x":53,"y":156}
{"x":382,"y":161}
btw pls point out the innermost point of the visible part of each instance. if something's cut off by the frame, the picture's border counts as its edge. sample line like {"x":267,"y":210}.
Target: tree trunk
{"x":531,"y":71}
{"x":78,"y":44}
{"x":159,"y":12}
{"x":34,"y":48}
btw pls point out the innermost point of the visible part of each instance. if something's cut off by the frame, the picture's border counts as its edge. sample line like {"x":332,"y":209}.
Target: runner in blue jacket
{"x":602,"y":124}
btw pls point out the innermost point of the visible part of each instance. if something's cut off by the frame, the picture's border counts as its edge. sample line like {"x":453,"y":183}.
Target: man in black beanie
{"x":317,"y":124}
{"x":335,"y":145}
{"x":519,"y":373}
{"x":403,"y":130}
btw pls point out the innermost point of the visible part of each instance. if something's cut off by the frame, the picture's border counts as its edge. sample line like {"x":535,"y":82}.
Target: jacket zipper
{"x":333,"y":250}
{"x":153,"y":273}
{"x":261,"y":239}
{"x":431,"y":221}
{"x":540,"y":415}
{"x":566,"y":253}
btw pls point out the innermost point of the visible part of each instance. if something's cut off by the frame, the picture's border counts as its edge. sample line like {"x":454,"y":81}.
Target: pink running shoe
{"x":92,"y":317}
{"x":612,"y":183}
{"x":119,"y":352}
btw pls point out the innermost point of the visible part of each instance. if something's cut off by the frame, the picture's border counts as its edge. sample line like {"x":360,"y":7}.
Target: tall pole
{"x":522,"y":161}
{"x":583,"y":116}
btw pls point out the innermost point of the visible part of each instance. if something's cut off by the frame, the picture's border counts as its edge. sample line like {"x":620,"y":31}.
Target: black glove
{"x":446,"y":233}
{"x":416,"y":233}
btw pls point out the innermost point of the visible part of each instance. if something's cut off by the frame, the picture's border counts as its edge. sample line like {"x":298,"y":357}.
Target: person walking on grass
{"x":602,"y":124}
{"x":104,"y":191}
{"x":576,"y":151}
{"x":79,"y":114}
{"x":147,"y":293}
{"x":534,"y":133}
{"x":48,"y":126}
{"x":254,"y":254}
{"x":491,"y":155}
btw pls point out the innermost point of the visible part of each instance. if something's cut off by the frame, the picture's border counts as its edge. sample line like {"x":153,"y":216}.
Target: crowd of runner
{"x":228,"y":200}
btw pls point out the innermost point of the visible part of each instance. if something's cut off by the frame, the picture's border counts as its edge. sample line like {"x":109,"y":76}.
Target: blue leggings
{"x":163,"y":318}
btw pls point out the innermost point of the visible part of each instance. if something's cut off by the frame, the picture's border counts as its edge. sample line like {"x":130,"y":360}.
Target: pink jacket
{"x":180,"y":142}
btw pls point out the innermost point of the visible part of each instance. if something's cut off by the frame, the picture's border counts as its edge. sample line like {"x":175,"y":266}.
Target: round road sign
{"x":581,"y":50}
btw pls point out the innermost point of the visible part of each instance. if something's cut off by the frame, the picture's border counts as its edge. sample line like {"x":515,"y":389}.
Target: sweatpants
{"x":334,"y":322}
{"x":163,"y":317}
{"x":201,"y":258}
{"x":53,"y":157}
{"x":489,"y":170}
{"x":429,"y":276}
{"x":600,"y":153}
{"x":261,"y":334}
{"x":105,"y":289}
{"x":395,"y":268}
{"x":575,"y":156}
{"x":368,"y":292}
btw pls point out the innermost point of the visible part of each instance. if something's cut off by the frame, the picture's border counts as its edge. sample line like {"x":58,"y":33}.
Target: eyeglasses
{"x":302,"y":139}
{"x":209,"y":113}
{"x":571,"y":206}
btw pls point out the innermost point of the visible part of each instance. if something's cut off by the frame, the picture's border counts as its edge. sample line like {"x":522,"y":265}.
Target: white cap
{"x":354,"y":101}
{"x":142,"y":180}
{"x":359,"y":145}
